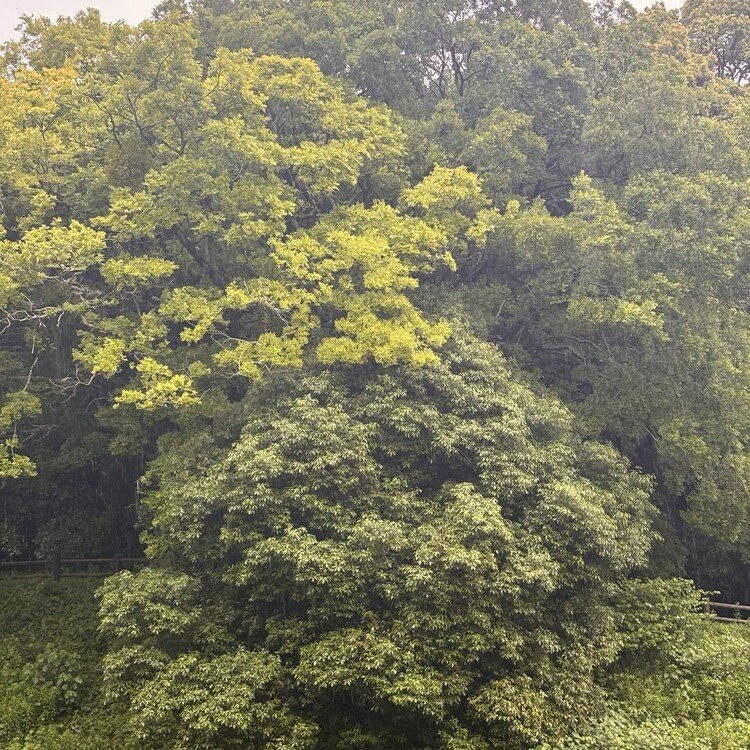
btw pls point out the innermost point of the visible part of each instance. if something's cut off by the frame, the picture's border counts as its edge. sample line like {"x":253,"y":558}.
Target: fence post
{"x":56,"y":565}
{"x":118,"y":567}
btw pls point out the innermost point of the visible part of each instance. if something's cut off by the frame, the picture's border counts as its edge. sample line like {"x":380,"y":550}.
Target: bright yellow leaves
{"x":54,"y":256}
{"x":229,"y":250}
{"x":260,"y":181}
{"x":55,"y":249}
{"x":102,"y":357}
{"x":337,"y":292}
{"x":449,"y":199}
{"x":36,"y":139}
{"x":161,"y":387}
{"x":362,"y":262}
{"x":190,"y":305}
{"x":16,"y":406}
{"x":346,"y":280}
{"x":127,"y":272}
{"x":404,"y":336}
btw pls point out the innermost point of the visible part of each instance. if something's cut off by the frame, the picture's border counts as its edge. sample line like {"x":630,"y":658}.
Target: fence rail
{"x":741,"y":612}
{"x":73,"y":567}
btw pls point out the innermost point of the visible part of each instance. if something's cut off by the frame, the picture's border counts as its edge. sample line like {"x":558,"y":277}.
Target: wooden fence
{"x":719,"y":611}
{"x":57,"y":567}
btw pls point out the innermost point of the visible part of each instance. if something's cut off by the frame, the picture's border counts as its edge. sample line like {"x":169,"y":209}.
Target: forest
{"x":406,"y":344}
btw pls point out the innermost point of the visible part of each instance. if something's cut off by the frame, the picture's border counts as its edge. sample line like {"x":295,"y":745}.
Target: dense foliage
{"x":411,"y":342}
{"x":50,"y":692}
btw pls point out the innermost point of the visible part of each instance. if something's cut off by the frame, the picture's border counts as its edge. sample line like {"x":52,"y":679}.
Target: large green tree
{"x":408,"y":556}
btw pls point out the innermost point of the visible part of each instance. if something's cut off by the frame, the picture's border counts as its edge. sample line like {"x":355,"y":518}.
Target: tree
{"x":258,"y":260}
{"x":721,"y":28}
{"x":170,"y":225}
{"x":405,"y":545}
{"x":635,"y":314}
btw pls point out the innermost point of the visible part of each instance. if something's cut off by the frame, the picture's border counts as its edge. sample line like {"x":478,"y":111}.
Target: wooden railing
{"x":741,"y":612}
{"x":57,"y":567}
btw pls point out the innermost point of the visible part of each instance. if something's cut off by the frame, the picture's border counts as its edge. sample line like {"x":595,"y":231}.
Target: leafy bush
{"x":49,"y":665}
{"x":60,"y":670}
{"x":682,"y":683}
{"x":24,"y":706}
{"x":91,"y":731}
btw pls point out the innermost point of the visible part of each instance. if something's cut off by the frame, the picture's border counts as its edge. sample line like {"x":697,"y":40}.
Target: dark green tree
{"x":416,"y":555}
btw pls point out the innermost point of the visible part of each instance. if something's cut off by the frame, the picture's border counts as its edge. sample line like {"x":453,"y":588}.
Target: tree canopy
{"x":411,"y":342}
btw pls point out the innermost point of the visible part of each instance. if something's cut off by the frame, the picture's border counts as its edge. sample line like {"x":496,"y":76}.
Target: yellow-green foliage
{"x":16,"y":406}
{"x":232,"y":239}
